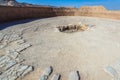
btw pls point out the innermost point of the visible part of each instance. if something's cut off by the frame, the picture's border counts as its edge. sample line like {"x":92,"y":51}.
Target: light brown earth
{"x":89,"y":51}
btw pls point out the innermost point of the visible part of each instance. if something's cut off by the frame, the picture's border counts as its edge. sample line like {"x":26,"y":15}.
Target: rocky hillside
{"x":14,"y":3}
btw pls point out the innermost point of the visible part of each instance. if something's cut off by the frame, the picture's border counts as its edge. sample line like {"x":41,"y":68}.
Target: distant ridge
{"x":15,"y":3}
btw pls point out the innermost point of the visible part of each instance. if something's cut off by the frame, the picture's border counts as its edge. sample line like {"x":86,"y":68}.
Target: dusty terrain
{"x":89,"y":51}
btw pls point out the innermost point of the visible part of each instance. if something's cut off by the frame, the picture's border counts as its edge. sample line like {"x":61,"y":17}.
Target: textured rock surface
{"x":11,"y":66}
{"x":12,"y":69}
{"x":13,"y":54}
{"x":20,"y":41}
{"x":6,"y":62}
{"x":56,"y":77}
{"x":74,"y":75}
{"x":12,"y":37}
{"x":29,"y":69}
{"x":15,"y":72}
{"x":114,"y":70}
{"x":22,"y":47}
{"x":5,"y":39}
{"x":1,"y":36}
{"x":46,"y":73}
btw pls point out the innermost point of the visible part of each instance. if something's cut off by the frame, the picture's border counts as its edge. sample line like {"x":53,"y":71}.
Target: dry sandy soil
{"x":89,"y":52}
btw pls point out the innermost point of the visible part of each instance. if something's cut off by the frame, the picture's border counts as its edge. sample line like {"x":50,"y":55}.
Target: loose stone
{"x":46,"y":73}
{"x":74,"y":75}
{"x":56,"y":77}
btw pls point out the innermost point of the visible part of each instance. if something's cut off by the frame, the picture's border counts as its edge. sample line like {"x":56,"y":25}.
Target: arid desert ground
{"x":95,"y":52}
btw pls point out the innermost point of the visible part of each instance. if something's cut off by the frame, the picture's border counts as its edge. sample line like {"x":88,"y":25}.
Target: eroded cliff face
{"x":42,"y":12}
{"x":93,"y":8}
{"x":97,"y":11}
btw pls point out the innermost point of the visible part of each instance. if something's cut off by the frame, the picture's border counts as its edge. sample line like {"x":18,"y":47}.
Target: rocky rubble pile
{"x":72,"y":27}
{"x":11,"y":66}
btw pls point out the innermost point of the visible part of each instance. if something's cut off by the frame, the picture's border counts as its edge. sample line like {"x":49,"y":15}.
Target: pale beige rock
{"x":46,"y":73}
{"x":56,"y":77}
{"x":74,"y":75}
{"x":22,"y":47}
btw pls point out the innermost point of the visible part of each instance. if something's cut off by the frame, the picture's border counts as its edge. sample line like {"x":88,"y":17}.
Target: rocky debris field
{"x":54,"y":49}
{"x":11,"y":66}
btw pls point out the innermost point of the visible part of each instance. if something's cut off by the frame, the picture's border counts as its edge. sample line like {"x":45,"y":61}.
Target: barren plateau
{"x":94,"y":53}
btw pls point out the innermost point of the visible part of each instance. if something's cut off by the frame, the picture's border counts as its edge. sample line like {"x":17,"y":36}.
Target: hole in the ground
{"x":72,"y":28}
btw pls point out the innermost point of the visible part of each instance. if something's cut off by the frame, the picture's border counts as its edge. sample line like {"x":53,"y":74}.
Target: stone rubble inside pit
{"x":72,"y":28}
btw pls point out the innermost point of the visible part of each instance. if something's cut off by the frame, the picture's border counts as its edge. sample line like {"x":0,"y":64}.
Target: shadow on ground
{"x":9,"y":24}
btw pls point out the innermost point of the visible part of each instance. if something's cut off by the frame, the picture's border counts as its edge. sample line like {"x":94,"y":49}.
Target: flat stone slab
{"x":12,"y":37}
{"x":12,"y":54}
{"x":114,"y":70}
{"x":29,"y":69}
{"x":46,"y":73}
{"x":110,"y":70}
{"x":74,"y":75}
{"x":15,"y":72}
{"x":56,"y":77}
{"x":21,"y":41}
{"x":22,"y":47}
{"x":6,"y":62}
{"x":1,"y":36}
{"x":10,"y":64}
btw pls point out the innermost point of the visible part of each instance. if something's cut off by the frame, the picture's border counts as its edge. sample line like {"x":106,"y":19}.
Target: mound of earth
{"x":93,"y":52}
